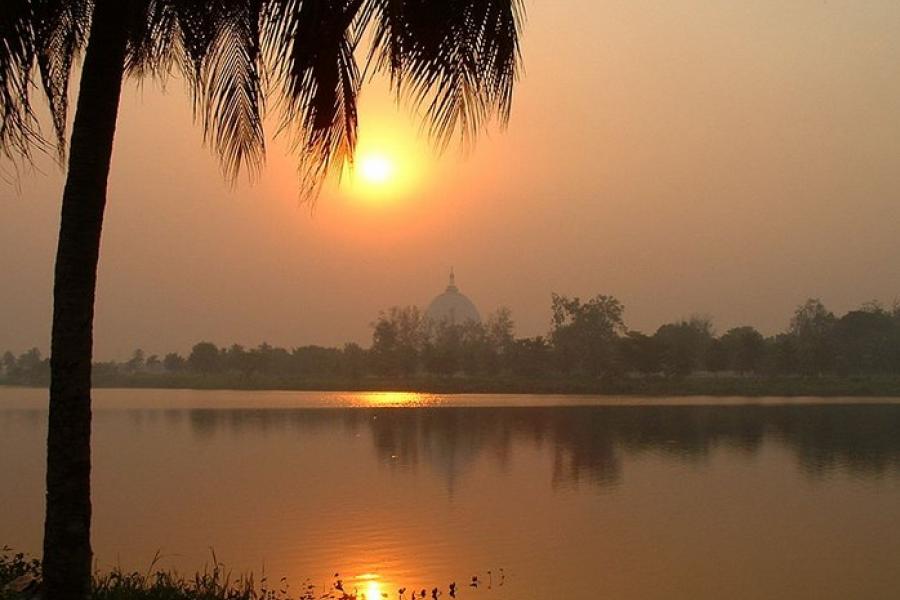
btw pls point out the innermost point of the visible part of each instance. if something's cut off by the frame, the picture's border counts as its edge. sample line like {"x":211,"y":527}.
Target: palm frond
{"x":310,"y":47}
{"x":197,"y":24}
{"x":459,"y":59}
{"x":152,"y":39}
{"x":216,"y":48}
{"x":232,"y":99}
{"x":18,"y":124}
{"x":60,"y":32}
{"x":48,"y":34}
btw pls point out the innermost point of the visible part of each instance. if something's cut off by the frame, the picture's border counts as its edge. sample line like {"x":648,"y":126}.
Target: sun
{"x":390,"y":166}
{"x":376,"y":169}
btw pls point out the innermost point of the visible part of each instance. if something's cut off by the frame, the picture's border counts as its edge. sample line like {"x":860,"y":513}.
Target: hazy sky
{"x":708,"y":157}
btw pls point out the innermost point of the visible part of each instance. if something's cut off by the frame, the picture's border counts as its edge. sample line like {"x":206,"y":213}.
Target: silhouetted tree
{"x":584,"y":334}
{"x":270,"y":360}
{"x":716,"y":356}
{"x":865,"y":341}
{"x":136,"y":362}
{"x":443,"y":347}
{"x":205,"y":358}
{"x":30,"y":368}
{"x":478,"y":354}
{"x":236,"y":359}
{"x":640,"y":353}
{"x":530,"y":357}
{"x":783,"y":354}
{"x":9,"y":362}
{"x":745,"y":349}
{"x":29,"y":361}
{"x":354,"y":361}
{"x":812,"y":326}
{"x":314,"y":361}
{"x":153,"y":363}
{"x":397,"y":341}
{"x":500,"y":333}
{"x":107,"y":369}
{"x":684,"y":345}
{"x":173,"y":362}
{"x":457,"y":58}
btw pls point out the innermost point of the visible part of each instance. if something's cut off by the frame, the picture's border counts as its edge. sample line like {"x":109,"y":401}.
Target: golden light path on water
{"x":371,"y":588}
{"x":397,"y":399}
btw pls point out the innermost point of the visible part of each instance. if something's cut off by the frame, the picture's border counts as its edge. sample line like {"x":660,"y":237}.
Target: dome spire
{"x":452,"y":286}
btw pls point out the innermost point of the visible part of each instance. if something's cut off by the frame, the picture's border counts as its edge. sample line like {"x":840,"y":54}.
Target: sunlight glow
{"x":371,"y":587}
{"x":397,"y":399}
{"x":373,"y":590}
{"x":391,"y":165}
{"x":376,"y":169}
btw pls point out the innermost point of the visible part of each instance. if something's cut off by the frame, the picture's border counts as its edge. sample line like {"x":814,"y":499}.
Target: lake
{"x":537,"y":496}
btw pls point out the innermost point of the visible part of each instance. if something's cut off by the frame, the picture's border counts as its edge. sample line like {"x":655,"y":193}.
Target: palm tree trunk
{"x":67,"y":544}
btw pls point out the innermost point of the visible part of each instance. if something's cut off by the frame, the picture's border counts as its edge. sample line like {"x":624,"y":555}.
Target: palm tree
{"x":456,"y":59}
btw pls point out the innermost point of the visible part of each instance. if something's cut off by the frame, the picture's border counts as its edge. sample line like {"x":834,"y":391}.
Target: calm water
{"x":570,"y":497}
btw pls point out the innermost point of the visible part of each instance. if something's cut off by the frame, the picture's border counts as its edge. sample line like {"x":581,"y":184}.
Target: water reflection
{"x":588,"y":444}
{"x":693,"y":501}
{"x":394,"y":399}
{"x":370,"y":587}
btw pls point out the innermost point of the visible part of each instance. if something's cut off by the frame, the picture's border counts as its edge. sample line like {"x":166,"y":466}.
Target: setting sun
{"x":376,"y":169}
{"x":392,"y":162}
{"x":387,"y":168}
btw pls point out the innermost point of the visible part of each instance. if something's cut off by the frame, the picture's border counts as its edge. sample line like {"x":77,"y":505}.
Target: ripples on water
{"x":572,"y":497}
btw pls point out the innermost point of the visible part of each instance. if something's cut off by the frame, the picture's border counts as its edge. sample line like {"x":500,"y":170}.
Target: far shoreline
{"x":650,"y":386}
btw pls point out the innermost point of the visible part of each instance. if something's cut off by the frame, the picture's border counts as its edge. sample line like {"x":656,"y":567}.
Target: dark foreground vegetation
{"x":20,"y":579}
{"x":588,"y":349}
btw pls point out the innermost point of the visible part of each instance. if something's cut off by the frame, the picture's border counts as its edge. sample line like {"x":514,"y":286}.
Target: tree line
{"x":587,"y":339}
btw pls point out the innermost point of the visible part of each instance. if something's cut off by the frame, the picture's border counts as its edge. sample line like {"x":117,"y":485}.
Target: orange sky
{"x":690,"y":157}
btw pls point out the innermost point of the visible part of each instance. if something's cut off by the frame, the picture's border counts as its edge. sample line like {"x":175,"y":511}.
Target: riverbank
{"x":695,"y":385}
{"x":20,"y":579}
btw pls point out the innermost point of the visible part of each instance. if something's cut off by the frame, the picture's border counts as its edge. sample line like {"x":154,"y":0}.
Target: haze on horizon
{"x":693,"y":158}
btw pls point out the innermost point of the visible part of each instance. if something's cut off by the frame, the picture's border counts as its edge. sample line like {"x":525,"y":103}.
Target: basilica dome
{"x":452,"y":306}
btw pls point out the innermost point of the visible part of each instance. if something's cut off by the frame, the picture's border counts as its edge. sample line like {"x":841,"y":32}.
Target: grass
{"x":15,"y":571}
{"x":20,"y":578}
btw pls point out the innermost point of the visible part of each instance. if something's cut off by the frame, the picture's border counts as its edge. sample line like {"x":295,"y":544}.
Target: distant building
{"x":452,"y":306}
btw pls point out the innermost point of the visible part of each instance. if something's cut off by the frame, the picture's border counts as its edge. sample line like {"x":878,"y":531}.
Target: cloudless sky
{"x":697,"y":157}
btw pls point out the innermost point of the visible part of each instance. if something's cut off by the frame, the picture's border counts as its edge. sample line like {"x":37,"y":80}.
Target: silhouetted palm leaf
{"x":310,"y":48}
{"x":18,"y":128}
{"x":456,"y":59}
{"x":60,"y":29}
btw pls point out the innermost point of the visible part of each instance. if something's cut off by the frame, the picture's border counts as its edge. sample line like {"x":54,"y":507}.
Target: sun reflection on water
{"x":373,"y":590}
{"x":396,"y":399}
{"x":370,"y":587}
